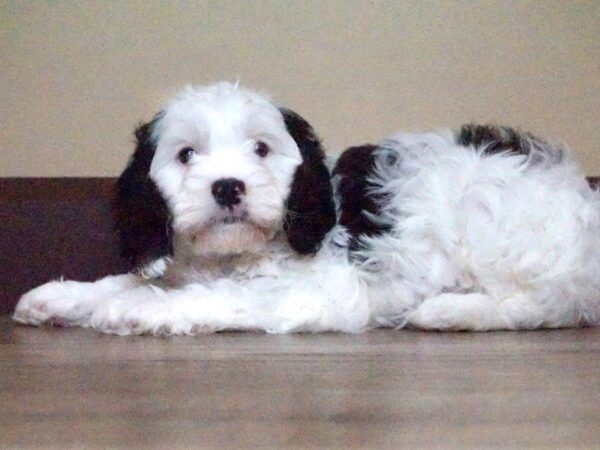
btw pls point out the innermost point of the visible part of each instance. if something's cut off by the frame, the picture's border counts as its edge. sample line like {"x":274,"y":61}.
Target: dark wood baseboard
{"x":53,"y":227}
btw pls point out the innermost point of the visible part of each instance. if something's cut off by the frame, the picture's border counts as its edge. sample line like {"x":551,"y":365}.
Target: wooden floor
{"x":384,"y":389}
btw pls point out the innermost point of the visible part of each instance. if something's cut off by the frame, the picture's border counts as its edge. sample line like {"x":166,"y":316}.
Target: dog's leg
{"x":69,"y":303}
{"x":199,"y":309}
{"x":480,"y":312}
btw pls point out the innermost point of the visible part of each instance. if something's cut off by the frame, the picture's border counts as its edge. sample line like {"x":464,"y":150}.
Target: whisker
{"x":301,"y":214}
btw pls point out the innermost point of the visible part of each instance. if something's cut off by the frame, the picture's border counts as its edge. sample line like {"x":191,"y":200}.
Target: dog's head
{"x":224,"y":170}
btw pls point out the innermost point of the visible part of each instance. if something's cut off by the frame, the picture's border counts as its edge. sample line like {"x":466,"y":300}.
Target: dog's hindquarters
{"x":480,"y":239}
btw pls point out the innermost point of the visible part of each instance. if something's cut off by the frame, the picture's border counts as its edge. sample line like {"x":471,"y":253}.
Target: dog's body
{"x":477,"y":232}
{"x":227,"y":208}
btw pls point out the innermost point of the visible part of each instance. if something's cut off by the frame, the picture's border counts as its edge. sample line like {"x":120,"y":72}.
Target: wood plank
{"x":383,"y":389}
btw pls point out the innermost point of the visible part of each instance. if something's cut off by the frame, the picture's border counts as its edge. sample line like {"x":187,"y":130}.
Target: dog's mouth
{"x":230,"y":234}
{"x":227,"y":232}
{"x":230,"y":220}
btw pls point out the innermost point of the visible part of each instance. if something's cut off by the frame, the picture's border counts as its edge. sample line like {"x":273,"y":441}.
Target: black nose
{"x":227,"y":191}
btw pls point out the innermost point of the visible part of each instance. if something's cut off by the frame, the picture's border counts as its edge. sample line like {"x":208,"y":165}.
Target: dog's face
{"x":224,"y":170}
{"x":224,"y":163}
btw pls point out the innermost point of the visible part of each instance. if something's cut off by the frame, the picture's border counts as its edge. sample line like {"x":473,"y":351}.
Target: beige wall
{"x":76,"y":77}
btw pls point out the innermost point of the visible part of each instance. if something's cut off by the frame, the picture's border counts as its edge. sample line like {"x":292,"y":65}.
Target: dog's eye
{"x":185,"y":154}
{"x":261,"y":149}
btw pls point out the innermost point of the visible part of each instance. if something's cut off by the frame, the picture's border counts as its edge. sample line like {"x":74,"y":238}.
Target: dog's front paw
{"x":54,"y":303}
{"x":297,"y":314}
{"x":141,"y":313}
{"x":120,"y":316}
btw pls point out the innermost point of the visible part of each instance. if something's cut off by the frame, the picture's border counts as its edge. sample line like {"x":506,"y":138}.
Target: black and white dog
{"x":228,"y":212}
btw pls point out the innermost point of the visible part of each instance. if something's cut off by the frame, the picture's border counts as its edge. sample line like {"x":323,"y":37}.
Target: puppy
{"x":226,"y":213}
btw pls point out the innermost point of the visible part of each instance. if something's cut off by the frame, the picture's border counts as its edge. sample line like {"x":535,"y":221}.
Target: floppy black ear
{"x":310,"y":207}
{"x":141,"y":213}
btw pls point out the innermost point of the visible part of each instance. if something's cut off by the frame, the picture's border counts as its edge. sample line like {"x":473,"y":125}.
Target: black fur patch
{"x":594,"y":183}
{"x":310,"y":207}
{"x":354,"y":167}
{"x":497,"y":139}
{"x":141,"y":213}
